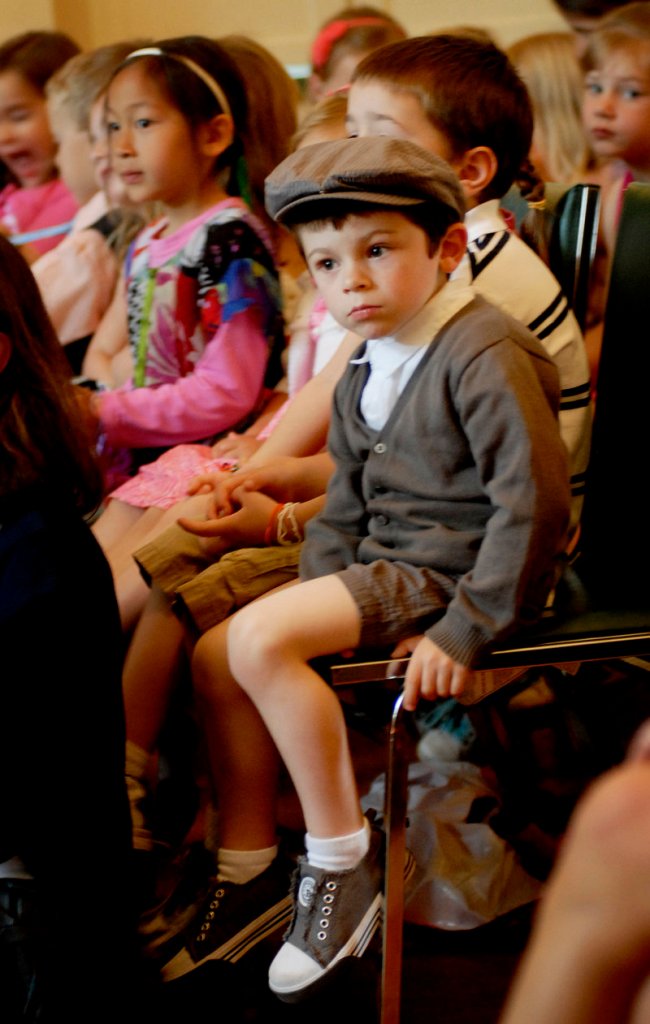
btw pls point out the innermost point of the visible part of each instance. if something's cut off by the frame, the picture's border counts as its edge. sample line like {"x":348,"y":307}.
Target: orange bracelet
{"x":271,"y":527}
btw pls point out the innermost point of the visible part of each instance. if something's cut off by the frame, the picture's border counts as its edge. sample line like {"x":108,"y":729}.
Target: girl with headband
{"x":202,"y":294}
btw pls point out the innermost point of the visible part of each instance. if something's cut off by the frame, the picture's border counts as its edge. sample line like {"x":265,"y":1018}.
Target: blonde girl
{"x":549,"y":67}
{"x":616,"y":106}
{"x":78,"y":278}
{"x":616,"y":113}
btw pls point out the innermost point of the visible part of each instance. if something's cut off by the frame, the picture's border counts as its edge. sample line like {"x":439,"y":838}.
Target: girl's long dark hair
{"x":45,"y":440}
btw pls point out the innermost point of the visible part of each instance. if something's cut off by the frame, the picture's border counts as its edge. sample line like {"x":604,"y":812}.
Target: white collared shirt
{"x":394,"y":359}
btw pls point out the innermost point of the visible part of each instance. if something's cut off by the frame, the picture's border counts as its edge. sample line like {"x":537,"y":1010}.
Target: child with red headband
{"x":341,"y":43}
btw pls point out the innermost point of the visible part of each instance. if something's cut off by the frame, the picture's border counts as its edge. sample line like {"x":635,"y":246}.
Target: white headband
{"x":207,"y":79}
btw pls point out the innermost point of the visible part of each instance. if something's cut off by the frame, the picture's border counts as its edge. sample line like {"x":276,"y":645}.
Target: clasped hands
{"x":238,"y":506}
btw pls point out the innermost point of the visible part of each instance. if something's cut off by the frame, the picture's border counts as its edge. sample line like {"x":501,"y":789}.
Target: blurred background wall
{"x":286,"y":27}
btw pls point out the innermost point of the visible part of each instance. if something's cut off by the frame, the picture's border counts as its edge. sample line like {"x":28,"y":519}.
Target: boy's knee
{"x":251,"y":643}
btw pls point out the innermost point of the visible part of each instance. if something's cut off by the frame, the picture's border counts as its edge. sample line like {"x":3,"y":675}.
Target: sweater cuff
{"x":459,"y":639}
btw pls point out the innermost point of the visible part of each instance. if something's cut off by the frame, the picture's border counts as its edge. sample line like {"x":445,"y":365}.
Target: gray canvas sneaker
{"x":336,"y":914}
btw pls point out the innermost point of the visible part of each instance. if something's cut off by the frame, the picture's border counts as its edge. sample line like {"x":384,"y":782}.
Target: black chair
{"x":603,"y":610}
{"x":564,"y":233}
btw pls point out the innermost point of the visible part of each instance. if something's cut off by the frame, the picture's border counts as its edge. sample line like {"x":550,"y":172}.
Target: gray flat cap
{"x":380,"y":170}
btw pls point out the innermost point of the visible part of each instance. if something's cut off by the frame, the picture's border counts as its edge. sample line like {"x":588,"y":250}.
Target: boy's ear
{"x":5,"y":350}
{"x":452,"y":247}
{"x":216,"y":135}
{"x":476,"y":169}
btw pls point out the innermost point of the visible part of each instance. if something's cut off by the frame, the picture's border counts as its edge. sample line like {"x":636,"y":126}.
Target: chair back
{"x":563,"y":234}
{"x":573,"y":215}
{"x":615,"y":540}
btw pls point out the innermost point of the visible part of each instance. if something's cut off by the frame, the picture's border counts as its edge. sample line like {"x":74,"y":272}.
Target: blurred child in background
{"x":548,"y":65}
{"x":343,"y":40}
{"x":616,"y":114}
{"x":77,"y":279}
{"x":36,"y":207}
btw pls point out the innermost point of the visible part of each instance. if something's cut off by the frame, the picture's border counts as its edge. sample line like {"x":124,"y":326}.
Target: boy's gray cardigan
{"x":469,"y":476}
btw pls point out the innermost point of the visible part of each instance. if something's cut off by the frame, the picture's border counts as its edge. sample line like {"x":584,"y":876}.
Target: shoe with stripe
{"x":336,"y":914}
{"x":233,"y":919}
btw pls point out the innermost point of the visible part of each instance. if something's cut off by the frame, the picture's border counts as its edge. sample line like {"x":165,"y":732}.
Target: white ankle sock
{"x":339,"y":853}
{"x":240,"y":866}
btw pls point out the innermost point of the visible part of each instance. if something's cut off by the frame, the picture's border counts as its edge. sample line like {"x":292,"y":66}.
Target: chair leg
{"x":395,"y":816}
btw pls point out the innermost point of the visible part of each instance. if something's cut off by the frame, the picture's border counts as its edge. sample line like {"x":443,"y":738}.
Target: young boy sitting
{"x":445,"y":521}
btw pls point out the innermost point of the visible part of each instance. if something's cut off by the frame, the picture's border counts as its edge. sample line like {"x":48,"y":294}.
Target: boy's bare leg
{"x":242,"y":757}
{"x":589,"y":955}
{"x":270,"y":644}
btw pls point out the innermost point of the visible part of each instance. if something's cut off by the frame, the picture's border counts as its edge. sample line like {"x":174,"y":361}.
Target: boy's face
{"x":72,"y":155}
{"x":377,"y":270}
{"x":100,"y":155}
{"x":616,"y":108}
{"x":376,"y":109}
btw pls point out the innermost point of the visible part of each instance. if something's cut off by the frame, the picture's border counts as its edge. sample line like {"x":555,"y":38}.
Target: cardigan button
{"x":379,"y":448}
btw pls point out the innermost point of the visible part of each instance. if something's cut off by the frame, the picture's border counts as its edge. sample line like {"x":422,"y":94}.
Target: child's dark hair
{"x":37,"y":55}
{"x":272,"y":97}
{"x":625,"y":26}
{"x":432,"y":218}
{"x":44,"y":439}
{"x":589,"y":8}
{"x":187,"y":91}
{"x":469,"y":91}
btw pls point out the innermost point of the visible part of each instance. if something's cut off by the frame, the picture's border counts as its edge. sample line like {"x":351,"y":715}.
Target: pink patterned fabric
{"x":164,"y":482}
{"x":206,"y":299}
{"x":44,"y":206}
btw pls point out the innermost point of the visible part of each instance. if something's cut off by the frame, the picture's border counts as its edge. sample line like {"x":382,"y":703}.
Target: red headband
{"x":324,"y":41}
